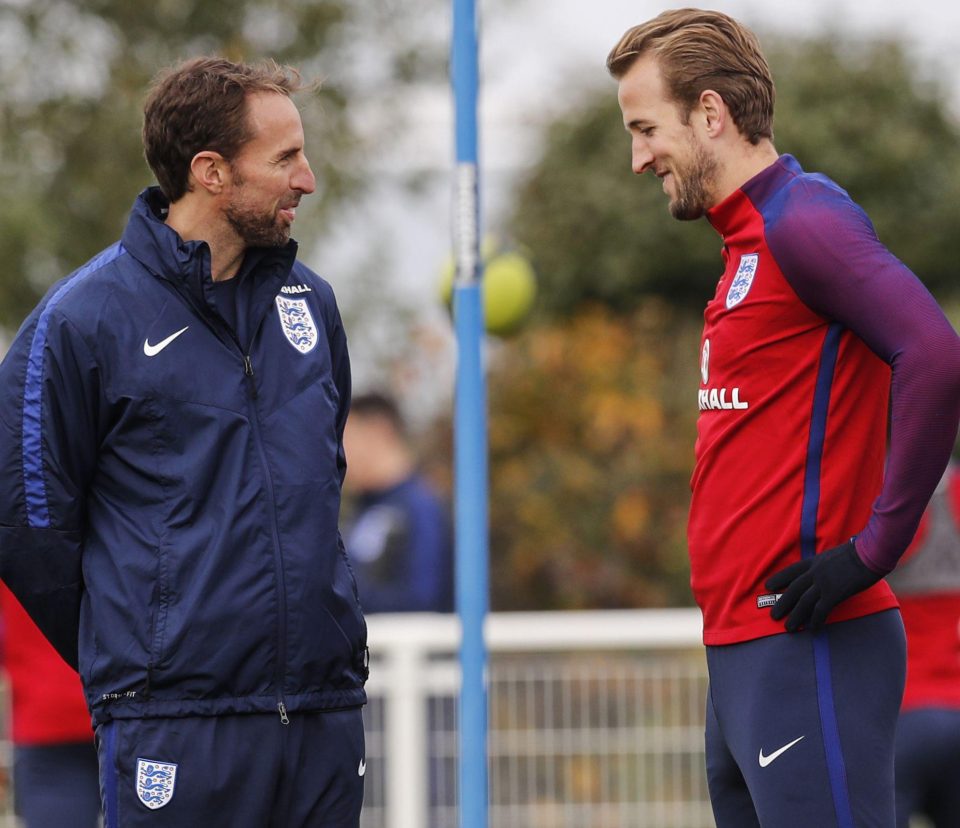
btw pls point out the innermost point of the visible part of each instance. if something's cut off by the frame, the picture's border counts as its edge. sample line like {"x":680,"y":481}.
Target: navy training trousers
{"x":235,"y":771}
{"x":56,"y":785}
{"x":801,"y":727}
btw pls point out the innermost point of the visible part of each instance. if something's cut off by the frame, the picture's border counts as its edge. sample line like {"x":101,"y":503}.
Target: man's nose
{"x":642,"y":157}
{"x":304,"y":179}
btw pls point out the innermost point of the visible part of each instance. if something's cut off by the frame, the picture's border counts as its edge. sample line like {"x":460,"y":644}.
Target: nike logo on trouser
{"x":766,"y":760}
{"x":153,"y":350}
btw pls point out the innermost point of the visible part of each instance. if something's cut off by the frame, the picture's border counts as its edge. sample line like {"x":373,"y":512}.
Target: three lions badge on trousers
{"x":155,"y":782}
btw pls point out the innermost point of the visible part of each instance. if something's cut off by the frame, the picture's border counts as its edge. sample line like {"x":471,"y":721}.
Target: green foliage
{"x":590,"y":429}
{"x":74,"y":76}
{"x":860,"y":114}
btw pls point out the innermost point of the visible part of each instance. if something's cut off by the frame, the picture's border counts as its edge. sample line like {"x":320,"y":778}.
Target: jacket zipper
{"x":278,"y":562}
{"x":231,"y":341}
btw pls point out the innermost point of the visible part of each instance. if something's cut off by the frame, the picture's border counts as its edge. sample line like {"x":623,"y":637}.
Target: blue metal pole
{"x":470,"y":427}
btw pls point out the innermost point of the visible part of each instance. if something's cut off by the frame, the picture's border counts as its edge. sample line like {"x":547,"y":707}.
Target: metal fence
{"x":595,"y":721}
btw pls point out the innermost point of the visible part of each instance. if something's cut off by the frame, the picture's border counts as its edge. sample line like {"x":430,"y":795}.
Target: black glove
{"x":814,"y":586}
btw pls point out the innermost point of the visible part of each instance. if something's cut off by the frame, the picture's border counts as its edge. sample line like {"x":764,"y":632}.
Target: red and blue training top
{"x":814,"y":327}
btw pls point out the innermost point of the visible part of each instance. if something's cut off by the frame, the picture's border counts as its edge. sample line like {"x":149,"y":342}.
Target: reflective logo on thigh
{"x":155,"y":782}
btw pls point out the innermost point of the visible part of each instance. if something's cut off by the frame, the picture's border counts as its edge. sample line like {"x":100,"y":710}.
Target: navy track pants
{"x":235,"y":771}
{"x":801,"y":727}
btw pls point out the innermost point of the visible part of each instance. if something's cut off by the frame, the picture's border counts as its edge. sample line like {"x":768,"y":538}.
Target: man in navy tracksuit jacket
{"x":171,"y":420}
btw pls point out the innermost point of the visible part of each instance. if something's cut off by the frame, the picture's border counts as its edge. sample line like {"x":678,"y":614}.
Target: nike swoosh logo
{"x":363,"y":768}
{"x":766,"y":760}
{"x":153,"y":350}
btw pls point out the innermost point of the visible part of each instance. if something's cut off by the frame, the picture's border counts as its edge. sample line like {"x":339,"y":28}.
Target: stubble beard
{"x":255,"y":227}
{"x":695,"y":184}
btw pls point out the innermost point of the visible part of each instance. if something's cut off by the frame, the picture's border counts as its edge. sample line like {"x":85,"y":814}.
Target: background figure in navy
{"x":927,"y":584}
{"x":398,"y":536}
{"x":171,"y":465}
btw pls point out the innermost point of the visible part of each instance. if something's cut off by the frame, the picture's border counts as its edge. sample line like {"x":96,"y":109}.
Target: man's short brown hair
{"x":698,"y":50}
{"x":201,"y":105}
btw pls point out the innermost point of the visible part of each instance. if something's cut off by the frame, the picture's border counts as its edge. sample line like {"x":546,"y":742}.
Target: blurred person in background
{"x":398,"y":532}
{"x":927,"y":584}
{"x":794,"y":520}
{"x":55,"y":781}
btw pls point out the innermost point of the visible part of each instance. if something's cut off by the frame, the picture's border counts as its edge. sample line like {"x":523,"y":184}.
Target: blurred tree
{"x":74,"y":75}
{"x":861,"y":113}
{"x":590,"y":457}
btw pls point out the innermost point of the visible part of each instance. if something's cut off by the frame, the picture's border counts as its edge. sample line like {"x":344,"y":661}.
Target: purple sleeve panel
{"x":828,"y":251}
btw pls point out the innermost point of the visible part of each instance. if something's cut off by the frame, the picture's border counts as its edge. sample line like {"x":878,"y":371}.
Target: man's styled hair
{"x":698,"y":50}
{"x":199,"y":105}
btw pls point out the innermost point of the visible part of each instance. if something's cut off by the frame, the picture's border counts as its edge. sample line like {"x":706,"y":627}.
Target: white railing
{"x":596,"y":719}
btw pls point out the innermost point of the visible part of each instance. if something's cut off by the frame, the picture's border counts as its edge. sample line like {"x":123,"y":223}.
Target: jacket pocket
{"x":160,"y":602}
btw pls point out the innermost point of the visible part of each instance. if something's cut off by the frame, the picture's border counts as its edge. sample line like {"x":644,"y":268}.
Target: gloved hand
{"x":814,"y":586}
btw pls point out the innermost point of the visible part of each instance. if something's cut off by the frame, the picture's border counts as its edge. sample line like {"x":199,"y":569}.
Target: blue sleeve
{"x":49,"y":434}
{"x":828,"y":251}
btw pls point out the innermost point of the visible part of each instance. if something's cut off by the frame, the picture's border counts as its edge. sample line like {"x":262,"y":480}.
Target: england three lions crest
{"x":155,"y":782}
{"x":742,"y":279}
{"x":297,"y":323}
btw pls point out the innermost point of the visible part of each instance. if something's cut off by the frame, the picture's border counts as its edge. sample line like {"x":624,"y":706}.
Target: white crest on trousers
{"x":155,"y":782}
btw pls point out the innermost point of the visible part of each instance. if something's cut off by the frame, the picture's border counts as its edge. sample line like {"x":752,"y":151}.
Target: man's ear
{"x":210,"y":171}
{"x":713,"y":111}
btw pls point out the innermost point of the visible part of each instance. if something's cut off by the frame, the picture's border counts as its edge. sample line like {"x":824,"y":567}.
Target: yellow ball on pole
{"x":509,"y":288}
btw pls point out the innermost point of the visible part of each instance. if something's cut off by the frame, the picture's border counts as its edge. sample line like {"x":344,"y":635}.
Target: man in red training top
{"x":55,"y":773}
{"x":813,"y":327}
{"x":927,"y":584}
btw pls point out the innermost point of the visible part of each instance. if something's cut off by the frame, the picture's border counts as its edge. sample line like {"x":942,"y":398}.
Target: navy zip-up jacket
{"x":171,"y":485}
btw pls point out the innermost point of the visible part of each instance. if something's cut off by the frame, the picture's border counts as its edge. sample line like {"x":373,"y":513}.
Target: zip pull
{"x":248,"y":370}
{"x":284,"y":719}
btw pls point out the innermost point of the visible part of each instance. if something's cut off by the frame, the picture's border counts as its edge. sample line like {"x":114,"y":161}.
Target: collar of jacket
{"x":739,"y":209}
{"x":186,"y":265}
